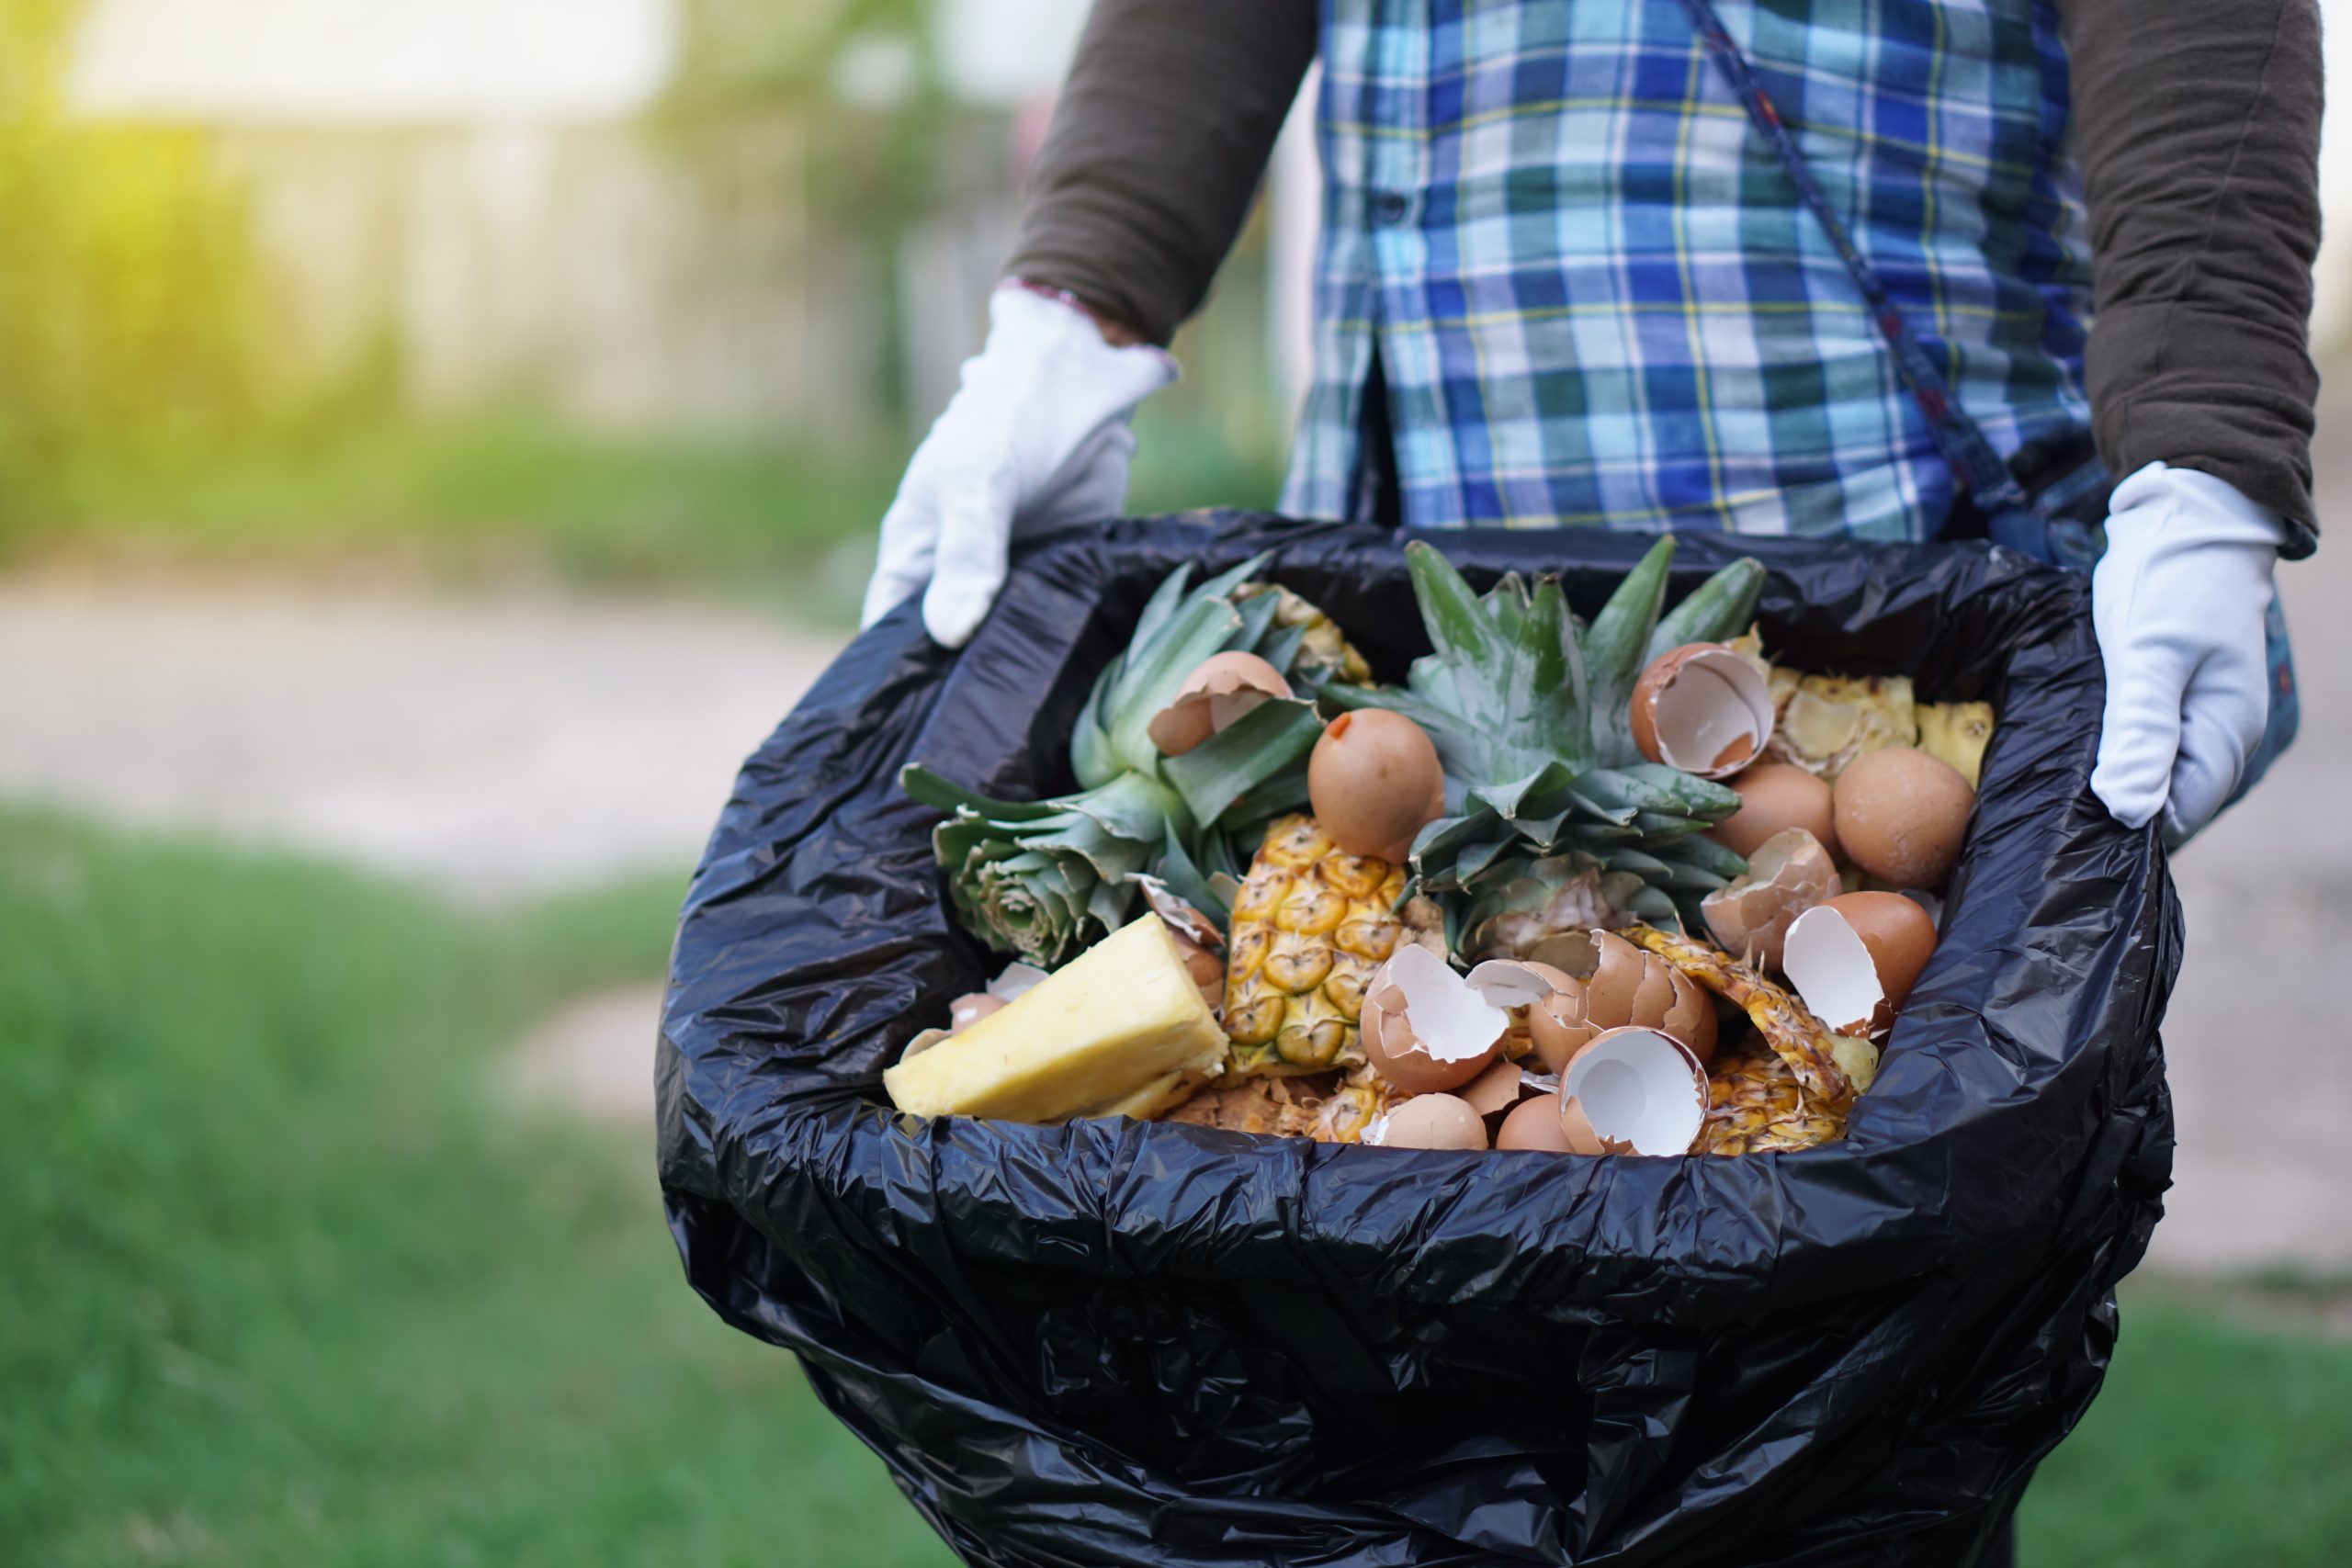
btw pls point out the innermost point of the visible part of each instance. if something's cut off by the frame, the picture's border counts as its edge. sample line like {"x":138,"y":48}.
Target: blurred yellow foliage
{"x":125,"y":279}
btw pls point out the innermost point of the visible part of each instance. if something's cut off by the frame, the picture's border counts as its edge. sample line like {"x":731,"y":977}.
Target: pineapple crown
{"x":1530,"y":708}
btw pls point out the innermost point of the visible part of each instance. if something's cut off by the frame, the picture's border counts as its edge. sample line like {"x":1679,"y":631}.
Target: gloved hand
{"x":2177,"y":602}
{"x":1036,"y":438}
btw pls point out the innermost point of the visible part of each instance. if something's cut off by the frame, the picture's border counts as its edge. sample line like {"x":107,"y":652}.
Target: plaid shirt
{"x":1595,"y":298}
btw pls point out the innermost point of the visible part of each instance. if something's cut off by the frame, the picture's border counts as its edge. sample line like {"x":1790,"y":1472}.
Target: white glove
{"x":1036,"y":438}
{"x":2177,"y":602}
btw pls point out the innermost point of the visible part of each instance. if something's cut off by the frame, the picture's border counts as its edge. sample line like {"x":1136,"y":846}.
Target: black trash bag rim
{"x":1695,"y":1239}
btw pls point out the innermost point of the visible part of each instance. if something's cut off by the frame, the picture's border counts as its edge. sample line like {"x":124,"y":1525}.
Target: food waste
{"x":1618,"y":887}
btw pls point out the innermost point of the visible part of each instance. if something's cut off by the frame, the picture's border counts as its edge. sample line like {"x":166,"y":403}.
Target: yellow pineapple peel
{"x":1798,"y":1038}
{"x":1754,"y":1107}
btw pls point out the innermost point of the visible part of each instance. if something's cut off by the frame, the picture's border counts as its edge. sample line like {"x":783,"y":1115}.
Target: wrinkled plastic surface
{"x":1127,"y":1343}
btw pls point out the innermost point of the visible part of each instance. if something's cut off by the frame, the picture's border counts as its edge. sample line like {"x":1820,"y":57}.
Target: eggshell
{"x":1616,"y":981}
{"x":1703,"y":708}
{"x":1205,"y":967}
{"x":1854,"y":959}
{"x":1632,"y":1090}
{"x":1774,"y":797}
{"x":1787,"y":874}
{"x":1431,"y":1122}
{"x":1373,"y":781}
{"x":1656,"y":997}
{"x":1015,"y":980}
{"x":965,"y":1011}
{"x":1535,"y":1125}
{"x":1561,"y":1022}
{"x":1691,"y":1019}
{"x":1901,"y":815}
{"x":1422,"y":1028}
{"x":1575,"y":1131}
{"x":1220,"y":689}
{"x":1493,"y":1093}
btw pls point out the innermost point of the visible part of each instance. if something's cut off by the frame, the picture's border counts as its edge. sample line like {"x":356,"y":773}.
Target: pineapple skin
{"x":1114,"y":1022}
{"x":1310,"y":925}
{"x":1325,"y":653}
{"x":1754,"y":1107}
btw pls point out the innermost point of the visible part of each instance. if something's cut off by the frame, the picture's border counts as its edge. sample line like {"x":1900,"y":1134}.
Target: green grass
{"x":494,"y":498}
{"x":287,"y":1282}
{"x":509,"y":497}
{"x":2213,"y":1445}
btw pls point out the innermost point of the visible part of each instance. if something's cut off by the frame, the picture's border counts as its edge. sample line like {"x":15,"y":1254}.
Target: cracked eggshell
{"x":1773,"y":798}
{"x":1616,"y":979}
{"x":1220,"y":689}
{"x":1374,"y":782}
{"x":1205,"y":967}
{"x":1431,"y":1122}
{"x":1691,"y":1019}
{"x":1423,"y":1028}
{"x":1015,"y":981}
{"x":1497,"y":1092}
{"x":1633,"y":1091}
{"x":965,"y":1011}
{"x":1902,"y":815}
{"x":1561,"y":1024}
{"x":1703,"y":708}
{"x":1535,"y":1125}
{"x":1627,"y":988}
{"x":1854,"y":959}
{"x":1787,"y":874}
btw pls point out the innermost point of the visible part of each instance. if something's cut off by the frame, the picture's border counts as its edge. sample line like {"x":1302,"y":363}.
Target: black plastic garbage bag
{"x":1129,"y":1343}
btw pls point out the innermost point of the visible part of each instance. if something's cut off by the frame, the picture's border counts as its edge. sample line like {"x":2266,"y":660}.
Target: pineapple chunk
{"x":1103,"y":1027}
{"x":1957,"y":733}
{"x":1155,"y":1098}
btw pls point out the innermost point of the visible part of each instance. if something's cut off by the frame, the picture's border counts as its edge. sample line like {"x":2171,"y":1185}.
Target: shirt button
{"x":1391,"y":206}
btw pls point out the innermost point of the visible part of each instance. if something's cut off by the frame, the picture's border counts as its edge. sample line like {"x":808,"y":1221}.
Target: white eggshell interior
{"x":1016,"y":979}
{"x":1452,"y":1022}
{"x":1716,"y":699}
{"x":1509,"y":984}
{"x":1832,"y":971}
{"x":1639,"y":1087}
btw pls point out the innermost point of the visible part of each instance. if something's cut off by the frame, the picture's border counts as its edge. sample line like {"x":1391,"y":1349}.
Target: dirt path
{"x":496,"y":750}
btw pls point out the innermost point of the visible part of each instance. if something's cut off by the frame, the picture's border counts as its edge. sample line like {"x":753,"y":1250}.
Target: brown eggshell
{"x":1560,"y":1025}
{"x":1616,"y":981}
{"x":1220,"y":689}
{"x":1535,"y":1125}
{"x":1371,"y":780}
{"x":1899,"y":934}
{"x":965,"y":1011}
{"x":1401,"y":851}
{"x":1901,"y":815}
{"x":1787,"y":874}
{"x":1774,"y":797}
{"x":1494,"y":1091}
{"x":1656,"y":996}
{"x":1898,"y":938}
{"x":1385,"y":1032}
{"x":1575,"y":1131}
{"x":1205,"y":967}
{"x":1703,"y":708}
{"x":1647,"y":1080}
{"x":1434,"y":1121}
{"x":1691,"y":1019}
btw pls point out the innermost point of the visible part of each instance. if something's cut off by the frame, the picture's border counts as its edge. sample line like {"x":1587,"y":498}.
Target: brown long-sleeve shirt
{"x":2196,"y":123}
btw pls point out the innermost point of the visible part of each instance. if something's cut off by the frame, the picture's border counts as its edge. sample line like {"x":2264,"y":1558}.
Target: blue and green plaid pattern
{"x":1597,"y":299}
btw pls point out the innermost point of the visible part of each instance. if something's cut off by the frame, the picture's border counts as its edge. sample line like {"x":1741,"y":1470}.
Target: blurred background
{"x":437,"y":441}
